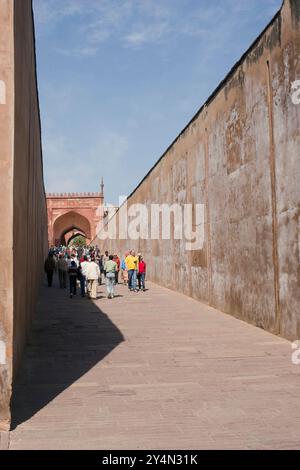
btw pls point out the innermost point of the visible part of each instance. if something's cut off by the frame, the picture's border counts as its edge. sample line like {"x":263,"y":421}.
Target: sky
{"x":119,"y":79}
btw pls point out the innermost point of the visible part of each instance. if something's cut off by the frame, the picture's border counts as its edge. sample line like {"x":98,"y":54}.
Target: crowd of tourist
{"x":87,"y":267}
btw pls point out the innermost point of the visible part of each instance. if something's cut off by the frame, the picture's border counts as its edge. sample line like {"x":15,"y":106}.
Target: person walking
{"x":124,"y":272}
{"x":73,"y":274}
{"x":118,"y":263}
{"x":84,"y":267}
{"x":132,"y":266}
{"x":110,"y":269}
{"x":101,"y":267}
{"x":104,"y":259}
{"x":81,"y":279}
{"x":49,"y":268}
{"x":93,"y":274}
{"x":62,"y":267}
{"x":141,"y":274}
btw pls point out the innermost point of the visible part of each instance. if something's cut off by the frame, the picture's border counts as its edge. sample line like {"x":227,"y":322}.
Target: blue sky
{"x":119,"y":79}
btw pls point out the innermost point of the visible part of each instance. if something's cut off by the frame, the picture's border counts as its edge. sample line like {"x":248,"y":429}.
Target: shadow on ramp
{"x":69,"y":337}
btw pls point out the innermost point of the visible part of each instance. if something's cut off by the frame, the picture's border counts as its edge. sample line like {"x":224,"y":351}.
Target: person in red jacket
{"x":141,"y":273}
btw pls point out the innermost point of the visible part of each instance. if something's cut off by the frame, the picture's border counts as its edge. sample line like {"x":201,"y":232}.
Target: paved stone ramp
{"x":152,"y":370}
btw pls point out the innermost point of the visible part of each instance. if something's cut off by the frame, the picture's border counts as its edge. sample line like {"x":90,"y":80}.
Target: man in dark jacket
{"x":73,"y":275}
{"x":50,"y":267}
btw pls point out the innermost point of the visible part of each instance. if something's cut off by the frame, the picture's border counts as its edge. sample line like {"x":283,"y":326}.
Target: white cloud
{"x":75,"y":162}
{"x":52,"y":11}
{"x":137,"y":23}
{"x":147,"y":34}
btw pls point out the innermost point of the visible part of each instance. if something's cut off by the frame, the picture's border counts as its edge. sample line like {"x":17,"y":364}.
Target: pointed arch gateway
{"x":71,"y":212}
{"x":66,"y":224}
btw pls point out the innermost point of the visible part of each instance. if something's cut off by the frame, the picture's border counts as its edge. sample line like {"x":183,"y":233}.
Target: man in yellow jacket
{"x":132,"y":265}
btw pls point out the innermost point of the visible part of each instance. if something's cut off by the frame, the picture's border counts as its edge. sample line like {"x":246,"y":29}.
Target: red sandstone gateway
{"x":72,"y":214}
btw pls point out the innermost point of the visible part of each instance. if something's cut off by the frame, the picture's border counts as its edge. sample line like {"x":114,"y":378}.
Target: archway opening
{"x":69,"y":226}
{"x":77,"y":239}
{"x":70,"y":233}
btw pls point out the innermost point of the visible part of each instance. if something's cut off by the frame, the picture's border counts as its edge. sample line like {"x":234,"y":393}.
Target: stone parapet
{"x":73,"y":195}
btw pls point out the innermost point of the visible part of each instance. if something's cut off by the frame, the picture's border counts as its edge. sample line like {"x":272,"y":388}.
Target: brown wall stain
{"x":295,"y":9}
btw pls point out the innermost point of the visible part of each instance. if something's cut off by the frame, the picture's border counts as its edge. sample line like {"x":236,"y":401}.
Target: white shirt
{"x":84,"y":267}
{"x":93,"y":271}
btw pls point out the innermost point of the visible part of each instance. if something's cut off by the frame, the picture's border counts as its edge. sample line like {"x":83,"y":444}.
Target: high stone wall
{"x":6,"y":208}
{"x":23,"y":227}
{"x":240,"y":156}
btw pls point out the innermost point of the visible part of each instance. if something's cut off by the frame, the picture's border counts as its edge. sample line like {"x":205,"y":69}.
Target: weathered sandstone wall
{"x":23,"y":225}
{"x":240,"y":156}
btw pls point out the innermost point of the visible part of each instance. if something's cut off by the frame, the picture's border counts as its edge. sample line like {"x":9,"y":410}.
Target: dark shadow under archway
{"x":69,"y":337}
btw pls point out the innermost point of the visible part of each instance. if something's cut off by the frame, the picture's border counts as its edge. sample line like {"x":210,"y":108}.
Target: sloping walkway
{"x":153,"y":370}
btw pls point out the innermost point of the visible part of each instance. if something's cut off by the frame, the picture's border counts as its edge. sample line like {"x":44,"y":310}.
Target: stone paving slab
{"x":154,"y":370}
